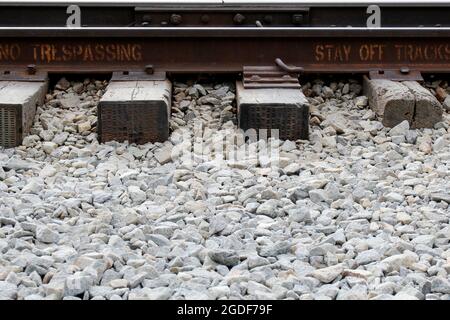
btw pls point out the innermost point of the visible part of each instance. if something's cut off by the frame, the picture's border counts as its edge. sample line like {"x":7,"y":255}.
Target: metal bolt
{"x":404,"y":70}
{"x":31,"y":69}
{"x":205,"y":18}
{"x":297,"y":19}
{"x":149,"y":69}
{"x":147,"y":18}
{"x":268,"y":19}
{"x":239,"y":18}
{"x":176,"y":19}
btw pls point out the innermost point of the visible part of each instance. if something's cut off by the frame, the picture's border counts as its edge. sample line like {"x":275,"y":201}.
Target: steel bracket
{"x":138,"y":76}
{"x":28,"y":75}
{"x":404,"y":74}
{"x":278,"y":76}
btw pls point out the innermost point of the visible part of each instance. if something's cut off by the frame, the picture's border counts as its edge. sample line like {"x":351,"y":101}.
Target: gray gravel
{"x":358,"y":212}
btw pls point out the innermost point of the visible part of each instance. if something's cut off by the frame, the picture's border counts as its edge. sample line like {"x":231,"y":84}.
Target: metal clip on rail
{"x":279,"y":76}
{"x":289,"y":69}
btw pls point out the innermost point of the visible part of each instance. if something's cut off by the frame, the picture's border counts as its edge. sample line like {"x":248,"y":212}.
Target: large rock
{"x":225,"y":257}
{"x":440,"y":285}
{"x":45,"y":235}
{"x":8,"y":291}
{"x":327,"y":275}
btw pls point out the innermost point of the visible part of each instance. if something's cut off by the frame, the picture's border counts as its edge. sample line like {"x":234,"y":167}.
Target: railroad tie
{"x":428,"y":110}
{"x":282,"y":109}
{"x":135,"y":111}
{"x":18,"y":103}
{"x":395,"y":102}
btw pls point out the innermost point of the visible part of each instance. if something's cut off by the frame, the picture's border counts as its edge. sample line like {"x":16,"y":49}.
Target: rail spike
{"x":291,"y":69}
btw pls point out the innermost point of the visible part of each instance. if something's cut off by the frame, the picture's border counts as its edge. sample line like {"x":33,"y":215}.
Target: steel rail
{"x":221,"y":32}
{"x":224,"y":3}
{"x":152,"y":15}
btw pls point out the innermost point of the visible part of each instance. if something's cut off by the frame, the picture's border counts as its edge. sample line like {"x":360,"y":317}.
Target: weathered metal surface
{"x":218,"y":14}
{"x":22,"y":75}
{"x":268,"y":77}
{"x":403,"y":74}
{"x":137,"y":76}
{"x":225,"y":50}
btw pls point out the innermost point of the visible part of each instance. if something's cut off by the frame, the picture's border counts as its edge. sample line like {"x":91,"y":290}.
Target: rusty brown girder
{"x":225,"y":50}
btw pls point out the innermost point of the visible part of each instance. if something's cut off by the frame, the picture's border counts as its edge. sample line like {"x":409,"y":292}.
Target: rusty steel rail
{"x":223,"y":13}
{"x":228,"y":49}
{"x":219,"y":36}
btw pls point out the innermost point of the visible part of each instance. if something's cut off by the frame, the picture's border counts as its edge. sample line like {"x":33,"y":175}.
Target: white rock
{"x":49,"y":147}
{"x":164,"y":155}
{"x":404,"y":218}
{"x":368,"y":256}
{"x":47,"y":171}
{"x":77,"y":284}
{"x":119,"y":283}
{"x":440,"y":285}
{"x":45,"y":235}
{"x":400,"y":130}
{"x":268,"y":208}
{"x":292,"y":168}
{"x":8,"y":291}
{"x":136,"y":194}
{"x":440,"y":144}
{"x":327,"y":275}
{"x":84,"y":127}
{"x":60,"y":138}
{"x":32,"y":187}
{"x":394,"y":197}
{"x":406,"y":260}
{"x":288,"y":146}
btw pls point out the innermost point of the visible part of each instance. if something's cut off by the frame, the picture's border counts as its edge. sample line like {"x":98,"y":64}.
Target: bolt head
{"x":404,"y":70}
{"x":239,"y":18}
{"x":268,"y":19}
{"x":297,"y":19}
{"x":147,"y":18}
{"x":175,"y":19}
{"x":205,"y":18}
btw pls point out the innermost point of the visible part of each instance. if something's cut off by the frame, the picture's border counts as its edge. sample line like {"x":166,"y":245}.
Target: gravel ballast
{"x":360,"y":211}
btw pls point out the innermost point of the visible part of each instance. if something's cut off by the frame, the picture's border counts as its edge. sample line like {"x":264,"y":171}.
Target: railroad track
{"x":266,"y":46}
{"x":224,"y":150}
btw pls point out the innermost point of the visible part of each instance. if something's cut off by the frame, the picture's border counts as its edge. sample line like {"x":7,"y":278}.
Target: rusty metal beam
{"x":308,"y":13}
{"x":180,"y":50}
